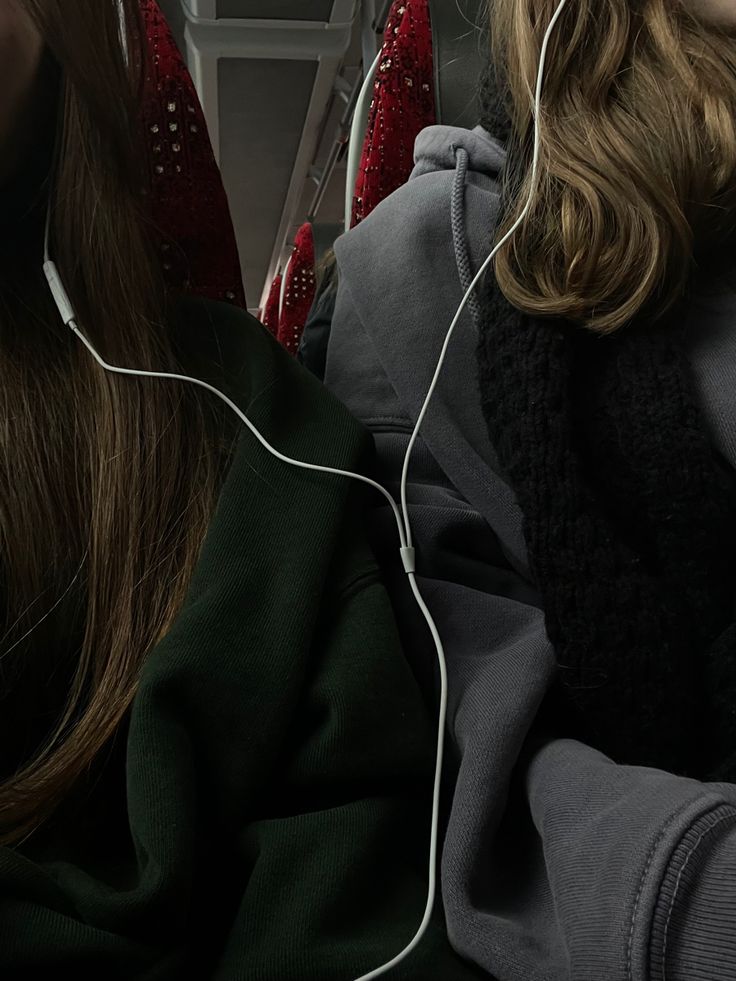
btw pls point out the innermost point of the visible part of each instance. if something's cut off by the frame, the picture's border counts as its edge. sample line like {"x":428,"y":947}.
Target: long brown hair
{"x":637,"y":169}
{"x":107,"y":484}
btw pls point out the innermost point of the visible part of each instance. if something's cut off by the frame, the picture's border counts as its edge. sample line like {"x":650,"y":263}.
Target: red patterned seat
{"x":270,"y":313}
{"x":403,"y":105}
{"x":189,"y":206}
{"x":299,"y":290}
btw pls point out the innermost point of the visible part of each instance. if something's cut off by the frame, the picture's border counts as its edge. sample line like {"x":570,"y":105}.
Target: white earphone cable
{"x":401,"y":516}
{"x":476,"y":279}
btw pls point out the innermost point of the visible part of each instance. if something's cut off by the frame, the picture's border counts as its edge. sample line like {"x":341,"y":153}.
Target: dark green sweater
{"x":267,"y":814}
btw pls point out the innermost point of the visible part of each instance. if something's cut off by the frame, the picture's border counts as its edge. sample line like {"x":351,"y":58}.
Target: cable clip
{"x":61,"y":297}
{"x":408,"y":557}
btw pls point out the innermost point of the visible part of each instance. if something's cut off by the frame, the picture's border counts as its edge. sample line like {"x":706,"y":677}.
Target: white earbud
{"x":66,"y":312}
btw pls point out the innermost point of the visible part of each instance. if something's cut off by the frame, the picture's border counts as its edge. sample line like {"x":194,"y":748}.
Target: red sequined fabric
{"x":270,"y":315}
{"x":189,"y":206}
{"x":300,"y":290}
{"x":403,"y":105}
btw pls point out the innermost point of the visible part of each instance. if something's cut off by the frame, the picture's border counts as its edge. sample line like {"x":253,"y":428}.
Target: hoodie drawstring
{"x":459,"y":236}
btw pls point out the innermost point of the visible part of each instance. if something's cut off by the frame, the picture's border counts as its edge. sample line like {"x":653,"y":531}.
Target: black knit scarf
{"x":630,"y":523}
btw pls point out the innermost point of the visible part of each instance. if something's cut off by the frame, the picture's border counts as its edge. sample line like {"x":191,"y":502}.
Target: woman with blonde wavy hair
{"x":573,"y":489}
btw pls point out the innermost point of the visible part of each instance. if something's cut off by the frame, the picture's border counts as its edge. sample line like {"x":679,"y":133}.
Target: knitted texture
{"x":629,"y":520}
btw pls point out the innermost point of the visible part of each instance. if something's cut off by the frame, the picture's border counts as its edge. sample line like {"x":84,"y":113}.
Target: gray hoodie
{"x":558,"y":863}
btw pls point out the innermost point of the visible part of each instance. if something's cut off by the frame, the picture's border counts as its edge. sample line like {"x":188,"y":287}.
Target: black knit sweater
{"x":630,"y":522}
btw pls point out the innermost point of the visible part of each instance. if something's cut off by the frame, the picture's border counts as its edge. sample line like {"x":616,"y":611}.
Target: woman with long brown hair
{"x":573,"y":488}
{"x":214,"y":759}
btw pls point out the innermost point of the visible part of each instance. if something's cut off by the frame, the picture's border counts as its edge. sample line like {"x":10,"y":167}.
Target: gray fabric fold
{"x":557,"y":862}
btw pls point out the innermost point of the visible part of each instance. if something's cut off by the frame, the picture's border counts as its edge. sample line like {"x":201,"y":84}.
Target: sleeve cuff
{"x":694,"y":926}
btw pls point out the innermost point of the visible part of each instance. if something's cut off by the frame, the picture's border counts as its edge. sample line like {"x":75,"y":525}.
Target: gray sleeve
{"x":558,"y":864}
{"x":618,"y":844}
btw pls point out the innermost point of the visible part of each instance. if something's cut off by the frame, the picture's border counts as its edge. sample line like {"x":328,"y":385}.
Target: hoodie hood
{"x":444,"y":149}
{"x":436,"y":150}
{"x":403,"y":277}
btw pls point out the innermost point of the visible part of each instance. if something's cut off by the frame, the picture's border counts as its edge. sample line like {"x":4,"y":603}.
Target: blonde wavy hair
{"x":636,"y":184}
